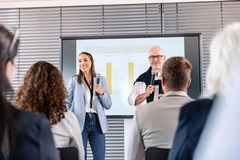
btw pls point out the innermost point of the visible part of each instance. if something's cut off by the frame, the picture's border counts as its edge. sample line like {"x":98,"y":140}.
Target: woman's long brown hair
{"x":92,"y":70}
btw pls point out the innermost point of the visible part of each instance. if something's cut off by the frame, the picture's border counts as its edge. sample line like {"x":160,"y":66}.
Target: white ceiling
{"x":50,"y":3}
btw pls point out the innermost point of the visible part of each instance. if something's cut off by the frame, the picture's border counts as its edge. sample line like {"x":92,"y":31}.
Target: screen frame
{"x":199,"y":56}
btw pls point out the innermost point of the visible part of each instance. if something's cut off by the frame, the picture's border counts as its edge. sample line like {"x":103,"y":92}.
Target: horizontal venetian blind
{"x":230,"y":12}
{"x":40,"y":32}
{"x":111,"y":20}
{"x":204,"y":18}
{"x":81,"y":21}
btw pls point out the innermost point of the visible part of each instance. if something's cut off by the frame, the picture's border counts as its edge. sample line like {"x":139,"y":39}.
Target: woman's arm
{"x":105,"y":98}
{"x":70,"y":93}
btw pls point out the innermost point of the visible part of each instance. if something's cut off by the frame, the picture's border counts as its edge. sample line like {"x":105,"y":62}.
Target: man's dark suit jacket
{"x":192,"y":120}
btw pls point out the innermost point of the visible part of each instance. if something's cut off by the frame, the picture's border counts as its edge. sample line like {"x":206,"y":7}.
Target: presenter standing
{"x":148,"y":87}
{"x":88,"y":96}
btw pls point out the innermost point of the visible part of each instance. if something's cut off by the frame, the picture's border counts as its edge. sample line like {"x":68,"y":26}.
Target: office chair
{"x":68,"y":153}
{"x":153,"y":153}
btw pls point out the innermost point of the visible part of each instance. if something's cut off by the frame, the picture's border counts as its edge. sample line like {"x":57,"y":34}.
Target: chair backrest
{"x":68,"y":153}
{"x":153,"y":153}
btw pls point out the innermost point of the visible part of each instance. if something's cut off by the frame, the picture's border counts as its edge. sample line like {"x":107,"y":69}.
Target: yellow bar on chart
{"x":109,"y":76}
{"x":130,"y":75}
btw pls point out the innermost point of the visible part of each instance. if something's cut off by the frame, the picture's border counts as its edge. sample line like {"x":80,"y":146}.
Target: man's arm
{"x":138,"y":88}
{"x":139,"y":93}
{"x":140,"y":98}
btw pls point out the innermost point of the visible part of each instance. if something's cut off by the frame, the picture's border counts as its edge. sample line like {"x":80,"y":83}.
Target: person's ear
{"x":163,"y":81}
{"x":189,"y":82}
{"x":10,"y":70}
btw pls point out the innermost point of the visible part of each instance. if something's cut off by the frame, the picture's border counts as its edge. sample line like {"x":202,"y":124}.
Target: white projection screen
{"x":122,"y":59}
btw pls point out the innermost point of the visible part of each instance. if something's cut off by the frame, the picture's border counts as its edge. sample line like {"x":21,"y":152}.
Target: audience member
{"x":88,"y":96}
{"x":143,"y":91}
{"x":23,"y":135}
{"x":219,"y":138}
{"x":154,"y":124}
{"x":224,"y":57}
{"x":43,"y":91}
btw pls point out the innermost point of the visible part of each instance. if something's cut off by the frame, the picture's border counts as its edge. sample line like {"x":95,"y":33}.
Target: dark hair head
{"x":92,"y":70}
{"x":176,"y":72}
{"x":43,"y":91}
{"x":8,"y":51}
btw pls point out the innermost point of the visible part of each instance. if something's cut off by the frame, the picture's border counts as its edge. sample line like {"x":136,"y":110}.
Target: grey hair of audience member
{"x":224,"y":59}
{"x":223,"y":119}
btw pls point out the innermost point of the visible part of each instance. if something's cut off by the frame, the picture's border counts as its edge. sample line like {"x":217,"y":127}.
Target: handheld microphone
{"x":153,"y":77}
{"x":97,"y":78}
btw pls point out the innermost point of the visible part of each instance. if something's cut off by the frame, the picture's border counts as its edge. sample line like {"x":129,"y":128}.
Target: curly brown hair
{"x":43,"y":91}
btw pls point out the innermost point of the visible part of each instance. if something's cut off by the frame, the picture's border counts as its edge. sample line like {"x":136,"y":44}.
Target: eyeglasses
{"x":156,"y":56}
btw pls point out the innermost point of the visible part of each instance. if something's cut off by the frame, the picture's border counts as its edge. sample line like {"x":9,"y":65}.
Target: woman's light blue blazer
{"x":76,"y":101}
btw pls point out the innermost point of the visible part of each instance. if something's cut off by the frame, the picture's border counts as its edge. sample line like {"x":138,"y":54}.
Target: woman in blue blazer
{"x":88,"y":96}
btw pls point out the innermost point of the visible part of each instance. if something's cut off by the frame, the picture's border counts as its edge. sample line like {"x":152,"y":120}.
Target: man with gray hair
{"x":147,"y":86}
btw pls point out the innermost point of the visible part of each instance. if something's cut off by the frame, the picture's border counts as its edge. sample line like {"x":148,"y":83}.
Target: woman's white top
{"x":66,"y":133}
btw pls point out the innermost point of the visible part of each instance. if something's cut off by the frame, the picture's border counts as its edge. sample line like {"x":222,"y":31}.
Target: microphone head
{"x":97,"y":75}
{"x":153,"y":77}
{"x":97,"y":78}
{"x":153,"y":71}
